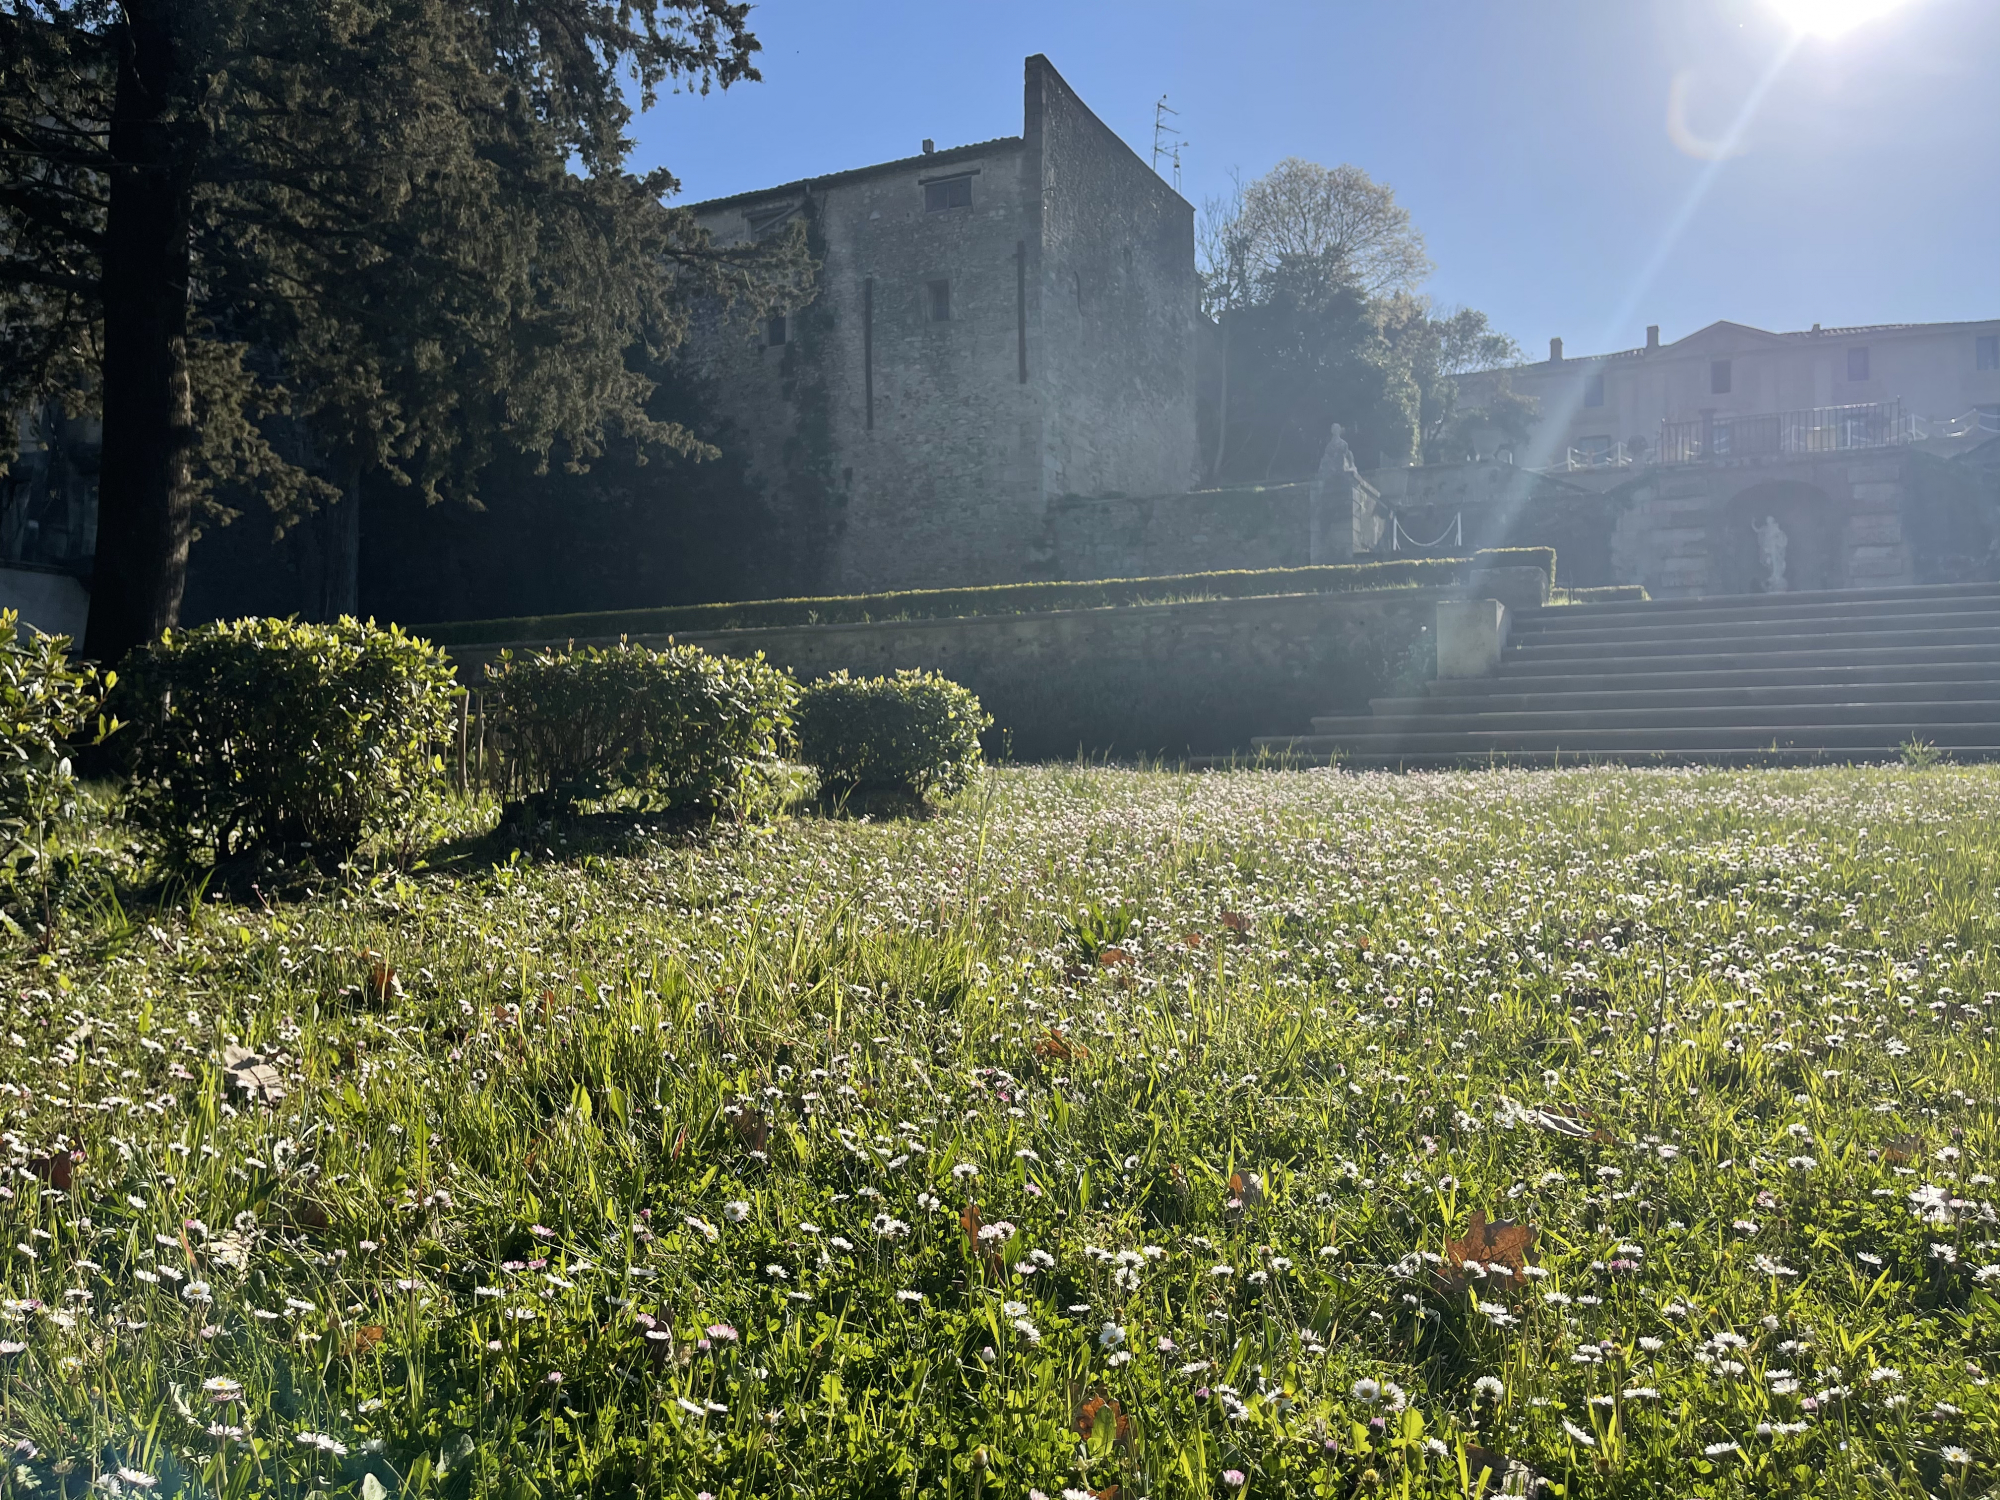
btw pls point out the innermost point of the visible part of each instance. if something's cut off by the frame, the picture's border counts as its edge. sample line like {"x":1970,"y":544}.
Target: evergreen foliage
{"x":680,"y":728}
{"x":273,"y":737}
{"x":405,"y":223}
{"x":915,"y":732}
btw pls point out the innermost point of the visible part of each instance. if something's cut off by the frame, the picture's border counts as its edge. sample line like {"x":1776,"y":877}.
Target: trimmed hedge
{"x":1617,"y":593}
{"x":1518,"y":557}
{"x":264,"y":735}
{"x":947,"y":604}
{"x":915,"y":732}
{"x":681,"y":727}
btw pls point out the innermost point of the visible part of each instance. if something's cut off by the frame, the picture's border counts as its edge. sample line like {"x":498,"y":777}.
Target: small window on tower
{"x":955,"y":192}
{"x":1718,"y":377}
{"x":937,"y":301}
{"x":1857,"y":364}
{"x":775,"y":330}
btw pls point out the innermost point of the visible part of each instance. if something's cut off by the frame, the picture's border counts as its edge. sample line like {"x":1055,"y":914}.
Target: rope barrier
{"x":1397,"y":536}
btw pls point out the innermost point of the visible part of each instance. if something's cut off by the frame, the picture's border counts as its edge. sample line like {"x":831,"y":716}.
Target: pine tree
{"x":405,"y":224}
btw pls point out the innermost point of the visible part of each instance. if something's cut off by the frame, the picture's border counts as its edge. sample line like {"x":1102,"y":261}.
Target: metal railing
{"x":1819,"y":429}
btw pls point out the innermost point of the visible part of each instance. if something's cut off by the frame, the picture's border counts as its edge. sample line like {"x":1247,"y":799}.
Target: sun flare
{"x":1831,"y":18}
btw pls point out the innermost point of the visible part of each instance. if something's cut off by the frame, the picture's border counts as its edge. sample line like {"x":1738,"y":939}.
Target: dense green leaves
{"x":681,"y":728}
{"x":915,"y":732}
{"x":406,"y":223}
{"x":274,"y":736}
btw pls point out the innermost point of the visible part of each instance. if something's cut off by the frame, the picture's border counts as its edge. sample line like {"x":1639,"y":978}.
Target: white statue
{"x":1771,"y":545}
{"x":1330,"y":503}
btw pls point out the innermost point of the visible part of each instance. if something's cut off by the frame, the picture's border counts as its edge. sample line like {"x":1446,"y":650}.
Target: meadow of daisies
{"x":1110,"y":1133}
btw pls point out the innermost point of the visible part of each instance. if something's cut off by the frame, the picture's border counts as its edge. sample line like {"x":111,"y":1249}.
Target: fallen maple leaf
{"x":1499,"y":1248}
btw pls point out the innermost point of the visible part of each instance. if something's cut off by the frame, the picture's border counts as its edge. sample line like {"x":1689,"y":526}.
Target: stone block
{"x":1517,"y":588}
{"x":1875,"y":530}
{"x":1877,"y":493}
{"x":1470,"y":636}
{"x":1890,"y":569}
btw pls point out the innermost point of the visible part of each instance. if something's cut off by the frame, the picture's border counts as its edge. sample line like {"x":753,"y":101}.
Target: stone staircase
{"x":1760,"y":679}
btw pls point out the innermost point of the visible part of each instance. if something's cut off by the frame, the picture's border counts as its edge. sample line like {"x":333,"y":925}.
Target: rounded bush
{"x":915,"y":732}
{"x":264,"y":735}
{"x":682,"y":728}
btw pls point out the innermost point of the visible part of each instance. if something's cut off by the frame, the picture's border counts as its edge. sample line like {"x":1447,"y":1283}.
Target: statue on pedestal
{"x":1332,"y":502}
{"x":1771,"y":547}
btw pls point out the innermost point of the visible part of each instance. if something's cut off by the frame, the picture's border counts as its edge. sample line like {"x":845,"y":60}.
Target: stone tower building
{"x":994,"y":327}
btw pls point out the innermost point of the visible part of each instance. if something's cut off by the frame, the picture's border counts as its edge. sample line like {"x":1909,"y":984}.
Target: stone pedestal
{"x":1471,"y":633}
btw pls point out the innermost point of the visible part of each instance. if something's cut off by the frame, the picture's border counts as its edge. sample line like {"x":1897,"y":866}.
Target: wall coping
{"x":1413,"y":593}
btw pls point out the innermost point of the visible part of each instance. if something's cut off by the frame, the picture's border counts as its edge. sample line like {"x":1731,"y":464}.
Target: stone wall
{"x":1114,"y":266}
{"x":1870,"y":518}
{"x":909,"y":450}
{"x":1169,"y":679}
{"x":1153,"y":536}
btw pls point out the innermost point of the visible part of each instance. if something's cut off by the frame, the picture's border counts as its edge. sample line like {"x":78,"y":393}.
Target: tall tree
{"x":406,"y":223}
{"x":1438,"y":345}
{"x":1339,"y":218}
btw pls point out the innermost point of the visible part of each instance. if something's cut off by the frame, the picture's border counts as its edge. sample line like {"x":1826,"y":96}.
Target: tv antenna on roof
{"x":1167,"y":141}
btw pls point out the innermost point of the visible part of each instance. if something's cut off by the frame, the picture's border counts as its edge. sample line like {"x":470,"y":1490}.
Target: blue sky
{"x":1543,"y":146}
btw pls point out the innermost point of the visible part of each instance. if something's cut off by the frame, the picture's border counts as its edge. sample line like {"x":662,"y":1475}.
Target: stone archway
{"x":1807,"y":525}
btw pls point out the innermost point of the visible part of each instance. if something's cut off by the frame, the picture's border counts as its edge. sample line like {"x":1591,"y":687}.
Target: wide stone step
{"x":1828,"y":627}
{"x":1747,"y":657}
{"x":1276,"y":754}
{"x":1664,"y":645}
{"x":1748,"y":715}
{"x":1665,"y":612}
{"x":1558,"y":701}
{"x":1885,"y":739}
{"x":1916,"y":594}
{"x":1975,"y":668}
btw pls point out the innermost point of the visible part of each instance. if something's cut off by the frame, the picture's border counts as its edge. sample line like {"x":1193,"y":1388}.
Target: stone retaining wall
{"x":1167,"y":679}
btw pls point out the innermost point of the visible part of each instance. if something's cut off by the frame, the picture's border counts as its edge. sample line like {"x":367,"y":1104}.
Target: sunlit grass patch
{"x":1267,"y":1132}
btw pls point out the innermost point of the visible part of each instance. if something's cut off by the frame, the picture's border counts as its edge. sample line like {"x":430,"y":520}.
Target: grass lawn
{"x":1141,"y":1134}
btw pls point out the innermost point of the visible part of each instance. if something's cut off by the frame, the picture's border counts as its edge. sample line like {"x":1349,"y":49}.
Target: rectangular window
{"x":775,"y":330}
{"x":1987,"y":351}
{"x":1593,"y":390}
{"x":1594,"y":449}
{"x":1857,"y":364}
{"x":953,"y":192}
{"x":937,"y":301}
{"x":1718,"y":377}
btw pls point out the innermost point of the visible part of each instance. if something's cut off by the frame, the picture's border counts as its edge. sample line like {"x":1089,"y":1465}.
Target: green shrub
{"x":272,"y":735}
{"x":1518,"y":557}
{"x":1617,"y":593}
{"x":46,"y":702}
{"x":915,"y":732}
{"x":682,"y":728}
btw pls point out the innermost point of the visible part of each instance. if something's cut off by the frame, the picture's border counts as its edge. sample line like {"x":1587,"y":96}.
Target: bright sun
{"x":1833,"y":17}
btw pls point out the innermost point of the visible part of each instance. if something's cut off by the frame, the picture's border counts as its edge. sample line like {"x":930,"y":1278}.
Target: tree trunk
{"x":145,"y":506}
{"x":340,"y":552}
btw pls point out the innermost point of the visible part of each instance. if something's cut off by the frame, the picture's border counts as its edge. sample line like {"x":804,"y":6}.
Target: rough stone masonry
{"x":994,"y":327}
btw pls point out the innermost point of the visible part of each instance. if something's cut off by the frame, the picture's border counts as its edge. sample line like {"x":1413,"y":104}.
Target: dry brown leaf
{"x":248,"y":1073}
{"x":57,"y":1169}
{"x":366,"y":1338}
{"x":1904,"y":1148}
{"x":1500,"y":1248}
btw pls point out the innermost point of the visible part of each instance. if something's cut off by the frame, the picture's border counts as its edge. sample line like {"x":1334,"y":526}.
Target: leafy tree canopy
{"x":1312,"y":273}
{"x":404,"y":223}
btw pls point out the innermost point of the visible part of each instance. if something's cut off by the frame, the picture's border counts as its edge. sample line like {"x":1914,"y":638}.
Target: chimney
{"x":929,"y":145}
{"x":1555,"y":351}
{"x":1815,"y":328}
{"x":1652,"y":335}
